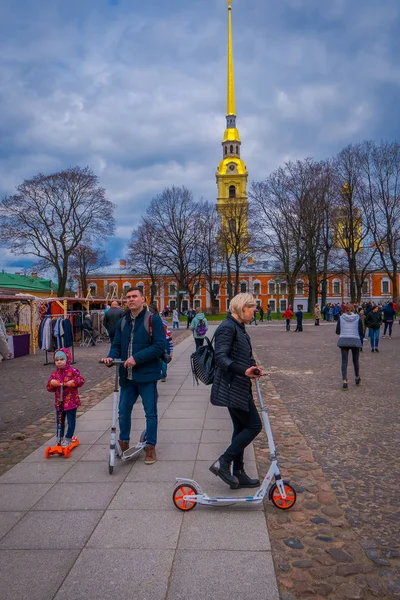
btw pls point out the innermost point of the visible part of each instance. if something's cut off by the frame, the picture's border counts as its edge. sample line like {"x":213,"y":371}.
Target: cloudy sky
{"x":136,"y":89}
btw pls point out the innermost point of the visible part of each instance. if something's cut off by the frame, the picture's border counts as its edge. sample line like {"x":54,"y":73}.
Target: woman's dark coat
{"x":233,"y":356}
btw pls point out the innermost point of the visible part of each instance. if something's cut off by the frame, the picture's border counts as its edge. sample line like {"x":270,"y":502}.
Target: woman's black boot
{"x":222,"y":468}
{"x":244,"y":480}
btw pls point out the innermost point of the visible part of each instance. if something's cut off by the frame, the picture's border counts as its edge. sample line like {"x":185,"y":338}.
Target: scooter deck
{"x":58,"y":449}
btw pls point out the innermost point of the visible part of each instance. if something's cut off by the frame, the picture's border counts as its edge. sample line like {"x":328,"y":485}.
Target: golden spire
{"x":231,"y":109}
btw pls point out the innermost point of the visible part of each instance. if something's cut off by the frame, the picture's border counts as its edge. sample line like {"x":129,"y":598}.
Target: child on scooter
{"x":72,"y":380}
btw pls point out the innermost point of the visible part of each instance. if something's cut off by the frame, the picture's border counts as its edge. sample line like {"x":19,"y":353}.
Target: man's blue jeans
{"x":130,"y":391}
{"x":164,"y":368}
{"x":373,"y":335}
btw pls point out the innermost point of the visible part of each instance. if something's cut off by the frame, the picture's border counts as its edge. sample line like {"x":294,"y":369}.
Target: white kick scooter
{"x":187,"y":492}
{"x":115,"y":448}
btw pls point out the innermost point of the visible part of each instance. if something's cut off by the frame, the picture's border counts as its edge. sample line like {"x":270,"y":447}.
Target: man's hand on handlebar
{"x":107,"y":361}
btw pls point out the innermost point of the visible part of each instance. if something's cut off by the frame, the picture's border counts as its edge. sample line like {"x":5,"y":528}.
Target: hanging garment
{"x":68,"y":335}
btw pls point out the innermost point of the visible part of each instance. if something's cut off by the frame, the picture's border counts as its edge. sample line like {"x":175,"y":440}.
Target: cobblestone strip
{"x":16,"y":447}
{"x":316,"y":552}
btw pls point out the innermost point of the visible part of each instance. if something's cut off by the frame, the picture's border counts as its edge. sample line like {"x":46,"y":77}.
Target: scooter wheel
{"x":180,"y":491}
{"x":143,"y":436}
{"x":67,"y":452}
{"x":283,"y":503}
{"x":48,"y":452}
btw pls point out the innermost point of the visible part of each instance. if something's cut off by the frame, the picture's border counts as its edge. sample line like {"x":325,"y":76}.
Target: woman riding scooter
{"x":235,"y":367}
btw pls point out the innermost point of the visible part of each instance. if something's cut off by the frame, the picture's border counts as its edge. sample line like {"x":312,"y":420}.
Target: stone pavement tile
{"x":52,"y":529}
{"x":214,"y":436}
{"x":180,"y":423}
{"x":213,"y":451}
{"x":176,"y":413}
{"x":147,"y":495}
{"x":214,"y":486}
{"x":33,"y":574}
{"x":217,"y":412}
{"x":78,"y":496}
{"x":189,"y":405}
{"x":97,"y":452}
{"x":136,"y":429}
{"x":132,"y":574}
{"x":226,"y":575}
{"x":228,"y":530}
{"x":177,"y":451}
{"x":92,"y":425}
{"x":8,"y":520}
{"x":218,"y":424}
{"x":156,"y":529}
{"x":179,"y":436}
{"x":101,"y":415}
{"x":46,"y":471}
{"x":96,"y":472}
{"x":161,"y":471}
{"x":38,"y":455}
{"x":21,"y":496}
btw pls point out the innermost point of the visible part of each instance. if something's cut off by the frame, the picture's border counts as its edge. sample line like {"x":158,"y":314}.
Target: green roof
{"x":26,"y":283}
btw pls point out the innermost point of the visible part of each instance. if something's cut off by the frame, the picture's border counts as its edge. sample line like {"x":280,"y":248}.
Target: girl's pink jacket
{"x":71,"y":396}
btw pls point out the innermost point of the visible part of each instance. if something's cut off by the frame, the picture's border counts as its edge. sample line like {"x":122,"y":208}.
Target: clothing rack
{"x":64,"y":316}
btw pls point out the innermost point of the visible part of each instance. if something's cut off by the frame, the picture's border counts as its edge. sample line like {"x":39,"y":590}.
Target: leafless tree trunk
{"x":84,"y":260}
{"x":51,"y":215}
{"x":143,"y":255}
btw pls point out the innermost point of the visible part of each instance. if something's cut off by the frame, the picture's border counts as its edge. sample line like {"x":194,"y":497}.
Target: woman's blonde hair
{"x":238,"y":303}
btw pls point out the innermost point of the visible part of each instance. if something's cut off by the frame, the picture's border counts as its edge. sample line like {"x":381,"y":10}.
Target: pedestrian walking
{"x":111,"y":318}
{"x":317,"y":314}
{"x":388,"y":318}
{"x":72,"y":380}
{"x":190,"y":316}
{"x":175,"y":319}
{"x":269,"y":313}
{"x":199,"y":326}
{"x":349,"y":330}
{"x":362,"y":316}
{"x":254,"y":320}
{"x":299,"y":320}
{"x":141,"y":350}
{"x":169,"y":352}
{"x":288,"y":315}
{"x":234,"y":370}
{"x":373,"y":321}
{"x":261,"y":311}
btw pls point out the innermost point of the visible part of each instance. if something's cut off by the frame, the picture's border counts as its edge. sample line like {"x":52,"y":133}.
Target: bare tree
{"x":276,"y":202}
{"x":381,"y":202}
{"x":212,"y":258}
{"x":143,"y":255}
{"x":174,"y":219}
{"x":51,"y":215}
{"x":83,"y":261}
{"x":352,"y":231}
{"x":235,"y":241}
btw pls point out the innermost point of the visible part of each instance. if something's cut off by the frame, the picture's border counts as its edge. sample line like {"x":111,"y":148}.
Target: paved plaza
{"x":69,"y":529}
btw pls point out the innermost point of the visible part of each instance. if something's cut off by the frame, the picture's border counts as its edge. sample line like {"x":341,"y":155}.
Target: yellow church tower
{"x":232,"y":173}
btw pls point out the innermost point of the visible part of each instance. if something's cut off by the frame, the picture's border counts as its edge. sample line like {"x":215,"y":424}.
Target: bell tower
{"x":232,"y":173}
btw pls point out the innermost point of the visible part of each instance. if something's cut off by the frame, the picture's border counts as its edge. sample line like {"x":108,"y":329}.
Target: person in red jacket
{"x":288,"y":315}
{"x":72,"y":380}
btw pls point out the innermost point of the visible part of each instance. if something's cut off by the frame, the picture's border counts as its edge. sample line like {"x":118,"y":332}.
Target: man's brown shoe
{"x":150,"y":454}
{"x":123,"y":445}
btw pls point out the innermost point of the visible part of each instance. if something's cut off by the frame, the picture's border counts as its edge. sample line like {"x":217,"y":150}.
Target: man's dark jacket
{"x":373,"y":320}
{"x":111,"y":318}
{"x":233,"y":356}
{"x":145,"y":350}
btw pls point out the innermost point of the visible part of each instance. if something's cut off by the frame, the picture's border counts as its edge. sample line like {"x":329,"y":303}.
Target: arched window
{"x":243,"y":287}
{"x":196,"y":288}
{"x":300,"y":288}
{"x":232,"y":191}
{"x":364,"y":288}
{"x":113,"y":289}
{"x":231,"y":148}
{"x":271,"y":287}
{"x":226,"y":149}
{"x":125,"y":287}
{"x":93,"y":289}
{"x":216,"y":288}
{"x":140,"y":286}
{"x":336,"y":287}
{"x":256,"y":288}
{"x":172,"y":289}
{"x":283,"y":287}
{"x":237,"y":149}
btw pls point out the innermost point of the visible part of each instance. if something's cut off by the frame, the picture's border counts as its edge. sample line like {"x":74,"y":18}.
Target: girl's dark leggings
{"x":71,"y":420}
{"x":246,"y":426}
{"x":356,"y":361}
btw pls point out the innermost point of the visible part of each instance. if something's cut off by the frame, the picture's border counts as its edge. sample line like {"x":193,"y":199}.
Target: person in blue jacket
{"x":141,"y":348}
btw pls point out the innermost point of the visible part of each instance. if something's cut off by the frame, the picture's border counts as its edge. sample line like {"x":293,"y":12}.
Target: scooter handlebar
{"x":115,"y":361}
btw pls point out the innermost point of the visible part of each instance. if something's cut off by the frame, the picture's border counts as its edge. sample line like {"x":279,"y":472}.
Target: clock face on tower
{"x":232,"y":167}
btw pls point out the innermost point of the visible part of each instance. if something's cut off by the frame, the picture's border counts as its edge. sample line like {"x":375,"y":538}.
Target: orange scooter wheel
{"x":283,"y":503}
{"x":67,"y":452}
{"x":48,"y":452}
{"x":180,"y":491}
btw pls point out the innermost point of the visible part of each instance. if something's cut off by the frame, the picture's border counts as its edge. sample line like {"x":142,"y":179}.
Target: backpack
{"x":202,"y":363}
{"x":201,"y":328}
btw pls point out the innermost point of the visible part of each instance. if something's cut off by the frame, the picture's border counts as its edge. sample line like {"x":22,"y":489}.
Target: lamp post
{"x":278,"y":281}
